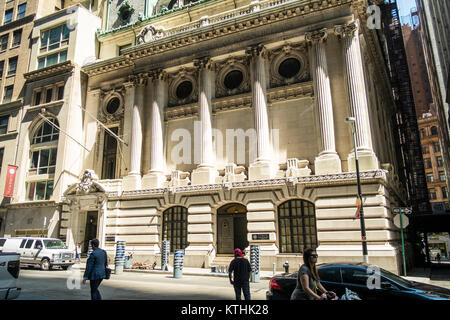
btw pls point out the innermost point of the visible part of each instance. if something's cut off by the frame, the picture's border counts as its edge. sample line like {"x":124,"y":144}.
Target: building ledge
{"x":56,"y":69}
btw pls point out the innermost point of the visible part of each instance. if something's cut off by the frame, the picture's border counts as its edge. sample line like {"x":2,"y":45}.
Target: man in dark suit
{"x":95,"y":269}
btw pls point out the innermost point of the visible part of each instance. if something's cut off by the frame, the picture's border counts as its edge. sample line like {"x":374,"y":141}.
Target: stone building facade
{"x":49,"y":131}
{"x":225,"y":128}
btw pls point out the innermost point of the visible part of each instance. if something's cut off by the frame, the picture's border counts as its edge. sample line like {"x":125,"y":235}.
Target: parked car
{"x":2,"y":242}
{"x":355,"y":277}
{"x":43,"y":252}
{"x":9,"y":272}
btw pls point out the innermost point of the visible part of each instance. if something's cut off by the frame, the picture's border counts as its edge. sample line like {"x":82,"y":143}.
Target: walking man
{"x":241,"y":270}
{"x":95,"y":269}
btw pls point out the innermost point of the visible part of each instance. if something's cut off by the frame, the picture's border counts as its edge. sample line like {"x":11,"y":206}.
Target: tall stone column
{"x":328,"y":161}
{"x":133,"y":180}
{"x":262,"y":167}
{"x":357,"y":94}
{"x":155,"y":178}
{"x":206,"y":172}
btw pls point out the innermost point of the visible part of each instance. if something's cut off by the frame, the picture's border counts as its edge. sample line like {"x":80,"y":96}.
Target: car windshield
{"x":54,"y":244}
{"x":396,"y":278}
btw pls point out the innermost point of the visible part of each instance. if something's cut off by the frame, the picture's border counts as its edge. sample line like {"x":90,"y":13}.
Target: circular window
{"x":113,"y":105}
{"x":233,"y":79}
{"x":184,"y":90}
{"x":289,"y":67}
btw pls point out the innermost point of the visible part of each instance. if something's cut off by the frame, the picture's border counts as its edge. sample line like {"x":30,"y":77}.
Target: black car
{"x":369,"y":282}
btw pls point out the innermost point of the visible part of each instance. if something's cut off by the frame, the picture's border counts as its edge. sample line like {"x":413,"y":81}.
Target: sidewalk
{"x":264,"y":275}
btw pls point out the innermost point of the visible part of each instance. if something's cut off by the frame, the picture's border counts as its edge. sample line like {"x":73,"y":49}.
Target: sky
{"x":404,"y":6}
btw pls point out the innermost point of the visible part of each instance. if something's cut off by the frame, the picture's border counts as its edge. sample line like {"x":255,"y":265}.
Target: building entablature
{"x":155,"y":40}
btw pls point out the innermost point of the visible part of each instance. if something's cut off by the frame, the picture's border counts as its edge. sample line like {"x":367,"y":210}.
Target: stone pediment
{"x":88,"y":184}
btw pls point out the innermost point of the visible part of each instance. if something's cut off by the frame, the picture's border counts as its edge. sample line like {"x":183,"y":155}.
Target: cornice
{"x":31,"y":205}
{"x":240,"y":19}
{"x":10,"y":106}
{"x":57,"y":69}
{"x":380,"y":176}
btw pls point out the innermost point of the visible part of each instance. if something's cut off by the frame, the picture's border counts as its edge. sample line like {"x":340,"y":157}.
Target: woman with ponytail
{"x":308,"y":282}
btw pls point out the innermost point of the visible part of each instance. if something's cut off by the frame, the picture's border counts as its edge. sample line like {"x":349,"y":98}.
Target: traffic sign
{"x":405,"y":210}
{"x":405,"y":221}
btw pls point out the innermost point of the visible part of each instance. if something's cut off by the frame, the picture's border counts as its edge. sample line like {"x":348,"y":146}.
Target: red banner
{"x":10,"y":178}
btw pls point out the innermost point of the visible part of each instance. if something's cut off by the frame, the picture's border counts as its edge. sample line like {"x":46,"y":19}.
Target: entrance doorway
{"x":91,"y":229}
{"x":231,"y":228}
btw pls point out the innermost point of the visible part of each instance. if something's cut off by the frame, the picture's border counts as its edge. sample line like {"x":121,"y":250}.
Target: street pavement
{"x":66,"y":285}
{"x":195,"y":284}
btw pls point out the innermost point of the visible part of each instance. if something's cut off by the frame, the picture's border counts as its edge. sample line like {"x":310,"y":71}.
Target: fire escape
{"x":408,"y":131}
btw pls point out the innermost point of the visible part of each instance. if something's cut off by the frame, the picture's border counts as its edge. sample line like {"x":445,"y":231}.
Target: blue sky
{"x":404,"y":6}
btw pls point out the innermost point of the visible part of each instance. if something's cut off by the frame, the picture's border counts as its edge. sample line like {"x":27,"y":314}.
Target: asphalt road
{"x":66,"y":285}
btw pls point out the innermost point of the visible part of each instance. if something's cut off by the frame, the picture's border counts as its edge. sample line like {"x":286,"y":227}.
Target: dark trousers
{"x":95,"y":294}
{"x":242,"y":287}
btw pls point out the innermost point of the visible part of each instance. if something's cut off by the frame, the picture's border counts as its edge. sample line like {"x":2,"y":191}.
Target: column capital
{"x":205,"y":63}
{"x":346,"y":30}
{"x":317,"y":36}
{"x":255,"y":51}
{"x":158,"y":74}
{"x":137,"y":80}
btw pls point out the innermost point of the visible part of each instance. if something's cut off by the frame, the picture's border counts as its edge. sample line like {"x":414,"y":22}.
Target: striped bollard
{"x":119,"y":260}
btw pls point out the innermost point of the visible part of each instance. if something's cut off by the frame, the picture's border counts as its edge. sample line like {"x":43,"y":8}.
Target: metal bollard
{"x":178,"y":257}
{"x":165,"y":251}
{"x":286,"y":267}
{"x":119,"y":260}
{"x":255,"y":262}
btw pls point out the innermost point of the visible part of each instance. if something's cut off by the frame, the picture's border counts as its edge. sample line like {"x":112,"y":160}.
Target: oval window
{"x":233,"y":79}
{"x":289,"y":68}
{"x":113,"y":105}
{"x":184,"y":90}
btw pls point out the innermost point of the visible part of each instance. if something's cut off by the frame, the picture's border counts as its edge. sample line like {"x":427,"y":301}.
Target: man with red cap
{"x":241,"y":270}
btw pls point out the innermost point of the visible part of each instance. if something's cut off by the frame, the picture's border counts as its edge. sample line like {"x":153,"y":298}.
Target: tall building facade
{"x":214,"y":125}
{"x":435,"y":32}
{"x":16,"y":25}
{"x":46,"y":89}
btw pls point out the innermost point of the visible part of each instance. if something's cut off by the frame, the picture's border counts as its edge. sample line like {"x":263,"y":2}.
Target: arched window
{"x":43,"y":152}
{"x":434,"y":131}
{"x":297,"y":226}
{"x":175,"y":227}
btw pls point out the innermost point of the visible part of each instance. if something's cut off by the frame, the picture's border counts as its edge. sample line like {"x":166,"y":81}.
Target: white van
{"x":44,"y":252}
{"x":2,"y":242}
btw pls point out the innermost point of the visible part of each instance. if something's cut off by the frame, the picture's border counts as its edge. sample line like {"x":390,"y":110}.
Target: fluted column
{"x":357,"y":95}
{"x":262,"y":167}
{"x":133,"y":180}
{"x":205,"y":173}
{"x":328,"y":160}
{"x":155,"y":178}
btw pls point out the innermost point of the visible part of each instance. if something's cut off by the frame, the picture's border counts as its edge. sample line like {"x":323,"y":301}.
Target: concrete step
{"x":221,"y":260}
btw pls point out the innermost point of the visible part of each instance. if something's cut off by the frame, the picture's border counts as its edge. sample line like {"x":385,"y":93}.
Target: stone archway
{"x":86,"y":201}
{"x":231,"y":228}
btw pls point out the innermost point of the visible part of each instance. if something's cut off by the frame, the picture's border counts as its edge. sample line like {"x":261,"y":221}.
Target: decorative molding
{"x":317,"y":36}
{"x":290,"y":182}
{"x":347,"y":30}
{"x":60,"y":68}
{"x":225,"y":67}
{"x":277,"y":56}
{"x":175,"y":79}
{"x":219,"y":25}
{"x":149,"y":34}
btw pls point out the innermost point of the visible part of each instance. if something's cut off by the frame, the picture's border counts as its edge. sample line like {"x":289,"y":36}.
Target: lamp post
{"x":352,"y":121}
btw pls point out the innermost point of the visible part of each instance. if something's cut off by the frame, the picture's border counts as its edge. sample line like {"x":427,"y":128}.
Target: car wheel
{"x":65,"y":267}
{"x":45,"y":265}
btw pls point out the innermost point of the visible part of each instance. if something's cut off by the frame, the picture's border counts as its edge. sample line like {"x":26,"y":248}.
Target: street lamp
{"x":352,"y":121}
